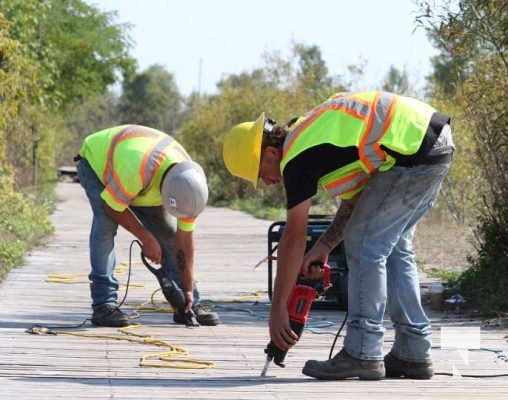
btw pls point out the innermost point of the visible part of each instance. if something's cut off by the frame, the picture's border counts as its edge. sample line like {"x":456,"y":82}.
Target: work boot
{"x":344,"y":366}
{"x":203,"y":317}
{"x":397,"y":368}
{"x":109,"y":315}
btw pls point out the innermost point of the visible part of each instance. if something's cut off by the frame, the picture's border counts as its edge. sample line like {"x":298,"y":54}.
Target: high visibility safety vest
{"x":130,"y":160}
{"x":383,"y":126}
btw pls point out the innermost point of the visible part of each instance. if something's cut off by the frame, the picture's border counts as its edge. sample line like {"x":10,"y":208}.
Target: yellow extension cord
{"x":167,"y":358}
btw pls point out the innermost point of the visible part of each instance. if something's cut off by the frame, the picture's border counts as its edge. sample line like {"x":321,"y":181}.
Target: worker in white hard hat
{"x":141,"y":179}
{"x":385,"y":156}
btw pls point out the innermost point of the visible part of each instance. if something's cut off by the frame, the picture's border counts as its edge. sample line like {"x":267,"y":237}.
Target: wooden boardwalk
{"x":104,"y":363}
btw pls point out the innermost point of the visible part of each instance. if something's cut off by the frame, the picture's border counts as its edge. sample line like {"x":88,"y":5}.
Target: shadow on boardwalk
{"x":105,"y":363}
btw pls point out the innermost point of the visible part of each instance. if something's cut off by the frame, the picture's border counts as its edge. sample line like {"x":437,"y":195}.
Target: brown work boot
{"x":397,"y":368}
{"x":344,"y":366}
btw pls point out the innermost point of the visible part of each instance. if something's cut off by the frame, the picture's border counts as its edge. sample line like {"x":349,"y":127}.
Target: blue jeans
{"x":104,"y":285}
{"x":382,"y":267}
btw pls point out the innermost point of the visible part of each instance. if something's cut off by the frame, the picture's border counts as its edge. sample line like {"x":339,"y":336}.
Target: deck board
{"x":228,"y":246}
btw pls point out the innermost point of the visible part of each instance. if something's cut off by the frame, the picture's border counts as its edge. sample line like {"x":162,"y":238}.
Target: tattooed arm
{"x":184,"y":256}
{"x":330,"y":238}
{"x":335,"y":232}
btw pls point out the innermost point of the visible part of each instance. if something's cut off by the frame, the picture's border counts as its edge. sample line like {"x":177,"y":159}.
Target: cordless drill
{"x":300,"y":301}
{"x":172,"y":292}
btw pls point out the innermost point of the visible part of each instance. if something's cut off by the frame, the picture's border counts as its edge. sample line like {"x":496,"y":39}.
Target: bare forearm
{"x":184,"y":256}
{"x":128,"y":221}
{"x":289,"y":258}
{"x":335,"y":232}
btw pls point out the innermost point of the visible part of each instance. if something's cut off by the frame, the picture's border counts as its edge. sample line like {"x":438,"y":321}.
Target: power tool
{"x":172,"y":292}
{"x":300,"y":301}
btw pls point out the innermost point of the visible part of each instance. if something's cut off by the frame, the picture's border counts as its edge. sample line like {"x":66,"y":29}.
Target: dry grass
{"x":443,"y":244}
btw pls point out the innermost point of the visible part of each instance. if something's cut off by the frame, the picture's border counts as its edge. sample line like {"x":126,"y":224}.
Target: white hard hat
{"x":184,"y":190}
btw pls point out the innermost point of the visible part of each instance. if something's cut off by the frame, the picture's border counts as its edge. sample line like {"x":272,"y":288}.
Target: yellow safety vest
{"x":130,"y":160}
{"x":378,"y":123}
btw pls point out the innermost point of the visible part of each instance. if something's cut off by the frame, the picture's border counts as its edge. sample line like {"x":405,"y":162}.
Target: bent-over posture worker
{"x":385,"y":156}
{"x":139,"y":178}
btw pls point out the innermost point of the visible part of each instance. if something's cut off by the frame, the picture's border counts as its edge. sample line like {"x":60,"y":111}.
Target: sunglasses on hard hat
{"x":269,"y":125}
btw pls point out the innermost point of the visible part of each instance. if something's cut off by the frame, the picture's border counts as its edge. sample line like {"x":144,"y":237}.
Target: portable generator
{"x":336,"y":296}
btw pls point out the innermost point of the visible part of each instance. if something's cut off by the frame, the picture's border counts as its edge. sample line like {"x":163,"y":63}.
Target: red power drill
{"x":300,"y":301}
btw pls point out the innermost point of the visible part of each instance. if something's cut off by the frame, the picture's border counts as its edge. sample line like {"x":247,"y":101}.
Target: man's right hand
{"x":152,"y":249}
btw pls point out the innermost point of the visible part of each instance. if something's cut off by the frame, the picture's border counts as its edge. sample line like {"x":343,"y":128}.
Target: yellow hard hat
{"x":242,"y":149}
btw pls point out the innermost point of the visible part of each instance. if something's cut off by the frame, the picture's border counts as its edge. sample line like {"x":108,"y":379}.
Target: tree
{"x":473,"y":36}
{"x":74,"y":52}
{"x":78,"y":50}
{"x":22,"y":219}
{"x":152,"y":98}
{"x":396,"y":81}
{"x":283,"y":88}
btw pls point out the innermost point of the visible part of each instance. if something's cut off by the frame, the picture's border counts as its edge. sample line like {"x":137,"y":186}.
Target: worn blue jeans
{"x":104,"y":285}
{"x":381,"y":261}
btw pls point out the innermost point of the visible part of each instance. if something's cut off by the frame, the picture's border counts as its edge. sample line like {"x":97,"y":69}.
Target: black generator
{"x":336,"y":296}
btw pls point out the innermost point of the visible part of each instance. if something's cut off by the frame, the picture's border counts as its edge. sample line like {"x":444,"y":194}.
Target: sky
{"x":202,"y":41}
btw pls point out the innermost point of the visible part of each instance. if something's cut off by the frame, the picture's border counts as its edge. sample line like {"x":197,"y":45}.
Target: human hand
{"x":281,"y":333}
{"x":152,"y":249}
{"x":313,"y":262}
{"x":189,"y":300}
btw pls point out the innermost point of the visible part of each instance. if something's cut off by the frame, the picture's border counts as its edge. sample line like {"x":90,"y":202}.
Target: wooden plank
{"x":229,"y":244}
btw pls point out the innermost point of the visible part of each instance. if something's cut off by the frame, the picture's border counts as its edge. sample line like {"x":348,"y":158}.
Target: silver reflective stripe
{"x":376,"y":115}
{"x":149,"y":169}
{"x":356,"y":179}
{"x":369,"y":141}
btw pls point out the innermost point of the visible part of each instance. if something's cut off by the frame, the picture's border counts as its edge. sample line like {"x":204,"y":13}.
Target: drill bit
{"x":267,"y":365}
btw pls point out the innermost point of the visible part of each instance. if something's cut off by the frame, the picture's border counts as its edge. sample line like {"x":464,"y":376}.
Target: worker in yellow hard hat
{"x":385,"y":156}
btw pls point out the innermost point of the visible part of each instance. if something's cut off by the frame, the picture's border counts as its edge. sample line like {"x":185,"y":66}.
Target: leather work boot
{"x":344,"y":366}
{"x":397,"y":368}
{"x":109,"y":315}
{"x":206,"y":318}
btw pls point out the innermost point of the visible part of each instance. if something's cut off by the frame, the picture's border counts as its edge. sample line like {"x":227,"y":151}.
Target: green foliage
{"x":474,"y":39}
{"x":283,"y":89}
{"x":152,"y":99}
{"x":76,"y":49}
{"x":23,"y":224}
{"x":397,"y":81}
{"x":72,"y":51}
{"x":52,"y":53}
{"x":86,"y":117}
{"x":462,"y":189}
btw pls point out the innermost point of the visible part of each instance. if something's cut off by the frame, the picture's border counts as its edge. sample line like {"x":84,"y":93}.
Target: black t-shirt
{"x":302,"y":173}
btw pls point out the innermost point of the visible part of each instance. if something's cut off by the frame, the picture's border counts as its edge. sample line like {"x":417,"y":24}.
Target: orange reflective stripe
{"x":388,"y":121}
{"x":380,"y":117}
{"x":347,"y":183}
{"x":149,"y":166}
{"x":110,"y":178}
{"x":112,"y":183}
{"x":370,"y":121}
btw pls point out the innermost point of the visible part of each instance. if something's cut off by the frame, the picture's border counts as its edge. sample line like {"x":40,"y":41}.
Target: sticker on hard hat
{"x":172,"y":202}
